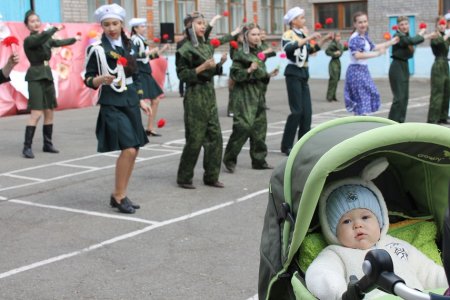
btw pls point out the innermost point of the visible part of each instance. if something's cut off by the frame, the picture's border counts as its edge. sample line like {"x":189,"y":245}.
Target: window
{"x":278,"y":13}
{"x":222,"y":25}
{"x":272,"y":12}
{"x":236,"y":10}
{"x":265,"y":21}
{"x":444,"y":7}
{"x":174,"y":11}
{"x":128,"y":5}
{"x":341,"y":12}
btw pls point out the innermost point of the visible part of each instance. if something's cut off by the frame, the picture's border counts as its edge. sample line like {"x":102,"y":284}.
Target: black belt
{"x":397,"y":58}
{"x":40,"y":63}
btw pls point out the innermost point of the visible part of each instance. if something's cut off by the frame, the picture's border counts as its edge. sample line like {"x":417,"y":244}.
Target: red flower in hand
{"x":122,"y":61}
{"x":234,"y":44}
{"x":442,"y":22}
{"x":422,"y":25}
{"x":244,"y":20}
{"x":161,"y":123}
{"x":215,"y":43}
{"x":8,"y":41}
{"x":156,"y":40}
{"x":283,"y":55}
{"x":345,"y":45}
{"x":312,"y":42}
{"x":274,"y":44}
{"x":261,"y":56}
{"x":387,"y":36}
{"x":165,"y":36}
{"x":79,"y":33}
{"x":395,"y":27}
{"x":329,"y":21}
{"x":318,"y":26}
{"x":226,"y":13}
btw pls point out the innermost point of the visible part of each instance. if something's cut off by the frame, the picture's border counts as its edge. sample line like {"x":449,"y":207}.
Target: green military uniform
{"x":438,"y":110}
{"x":3,"y":79}
{"x":201,"y":120}
{"x":399,"y":74}
{"x":334,"y":68}
{"x":119,"y":123}
{"x":299,"y":97}
{"x":38,"y":49}
{"x":249,"y":120}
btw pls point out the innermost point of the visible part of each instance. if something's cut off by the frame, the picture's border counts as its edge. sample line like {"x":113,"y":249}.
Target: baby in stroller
{"x":354,"y":220}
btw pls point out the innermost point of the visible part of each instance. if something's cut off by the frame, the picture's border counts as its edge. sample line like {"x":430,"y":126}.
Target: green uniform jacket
{"x":108,"y":96}
{"x":402,"y":50}
{"x":38,"y":49}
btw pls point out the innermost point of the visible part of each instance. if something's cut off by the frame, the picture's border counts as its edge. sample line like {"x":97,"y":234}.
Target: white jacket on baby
{"x":328,"y":275}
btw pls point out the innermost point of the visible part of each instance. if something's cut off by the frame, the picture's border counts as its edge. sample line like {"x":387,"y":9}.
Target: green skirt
{"x":119,"y":128}
{"x":150,"y":86}
{"x":42,"y":95}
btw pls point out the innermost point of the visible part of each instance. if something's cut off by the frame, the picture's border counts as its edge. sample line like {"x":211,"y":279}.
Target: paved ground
{"x":61,"y":240}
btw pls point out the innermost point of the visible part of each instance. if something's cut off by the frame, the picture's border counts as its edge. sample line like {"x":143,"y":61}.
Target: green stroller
{"x":415,"y":187}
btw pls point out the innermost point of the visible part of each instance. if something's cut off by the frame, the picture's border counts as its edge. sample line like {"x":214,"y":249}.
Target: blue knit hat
{"x":348,"y":197}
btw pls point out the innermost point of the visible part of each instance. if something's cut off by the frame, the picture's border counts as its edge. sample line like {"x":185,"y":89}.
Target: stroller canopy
{"x":415,"y":184}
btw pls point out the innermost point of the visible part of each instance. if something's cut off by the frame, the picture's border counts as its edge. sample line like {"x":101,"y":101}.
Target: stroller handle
{"x":379,"y":273}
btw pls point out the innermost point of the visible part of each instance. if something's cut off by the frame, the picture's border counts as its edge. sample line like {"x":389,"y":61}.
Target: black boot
{"x":48,"y":145}
{"x":29,"y":134}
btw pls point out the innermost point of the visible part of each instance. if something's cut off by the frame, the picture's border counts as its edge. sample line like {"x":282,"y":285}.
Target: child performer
{"x":438,"y":109}
{"x":42,"y":96}
{"x":152,"y":91}
{"x":296,"y":44}
{"x":111,"y":66}
{"x":360,"y":93}
{"x":196,"y":66}
{"x":335,"y":50}
{"x":249,"y":120}
{"x":399,"y":70}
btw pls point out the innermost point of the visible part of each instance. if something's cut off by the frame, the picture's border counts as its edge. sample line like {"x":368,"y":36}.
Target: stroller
{"x":414,"y":186}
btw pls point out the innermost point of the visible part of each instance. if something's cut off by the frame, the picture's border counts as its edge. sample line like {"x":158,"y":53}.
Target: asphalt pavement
{"x":61,"y":240}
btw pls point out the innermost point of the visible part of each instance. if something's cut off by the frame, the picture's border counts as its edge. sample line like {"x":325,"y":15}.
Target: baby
{"x":354,"y":220}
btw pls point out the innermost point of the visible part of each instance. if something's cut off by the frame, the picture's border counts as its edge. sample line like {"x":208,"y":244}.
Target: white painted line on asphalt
{"x":255,"y":297}
{"x":129,"y":235}
{"x":76,"y":166}
{"x":84,"y":212}
{"x":38,"y":180}
{"x":3,"y":198}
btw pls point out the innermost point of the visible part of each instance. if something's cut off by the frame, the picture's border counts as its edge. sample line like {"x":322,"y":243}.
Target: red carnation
{"x":345,"y":45}
{"x":156,"y":40}
{"x":387,"y":36}
{"x":215,"y":43}
{"x":79,"y":33}
{"x":395,"y":27}
{"x":422,"y":25}
{"x":244,"y":20}
{"x":165,"y":36}
{"x":274,"y":44}
{"x":122,"y":61}
{"x":318,"y":26}
{"x":261,"y":56}
{"x":283,"y":55}
{"x":329,"y":21}
{"x":226,"y":13}
{"x":312,"y":42}
{"x":442,"y":22}
{"x":234,"y":44}
{"x":161,"y":123}
{"x":8,"y":41}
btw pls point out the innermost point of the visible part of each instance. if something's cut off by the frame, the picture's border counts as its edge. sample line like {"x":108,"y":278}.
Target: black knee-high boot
{"x":29,"y":134}
{"x":47,"y":130}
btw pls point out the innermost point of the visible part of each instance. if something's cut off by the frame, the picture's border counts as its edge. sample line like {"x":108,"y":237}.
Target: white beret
{"x":137,"y":21}
{"x":112,"y":11}
{"x":447,"y":16}
{"x":292,"y":14}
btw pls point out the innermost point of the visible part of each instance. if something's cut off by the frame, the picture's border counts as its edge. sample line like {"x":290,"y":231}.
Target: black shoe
{"x":27,"y":152}
{"x":49,"y":148}
{"x":216,"y":184}
{"x":124,"y":206}
{"x":334,"y":99}
{"x":330,"y":100}
{"x":186,"y":185}
{"x":265,"y":166}
{"x":230,"y":167}
{"x":152,"y":133}
{"x":286,"y":151}
{"x":113,"y":203}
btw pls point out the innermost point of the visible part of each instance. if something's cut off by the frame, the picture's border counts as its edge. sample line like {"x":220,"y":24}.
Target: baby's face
{"x":358,"y":229}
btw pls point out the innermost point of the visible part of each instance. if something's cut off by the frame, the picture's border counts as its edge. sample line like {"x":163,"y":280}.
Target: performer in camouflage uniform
{"x":196,"y":66}
{"x":41,"y":90}
{"x":249,"y":120}
{"x":399,"y":69}
{"x":335,"y":49}
{"x":438,"y":109}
